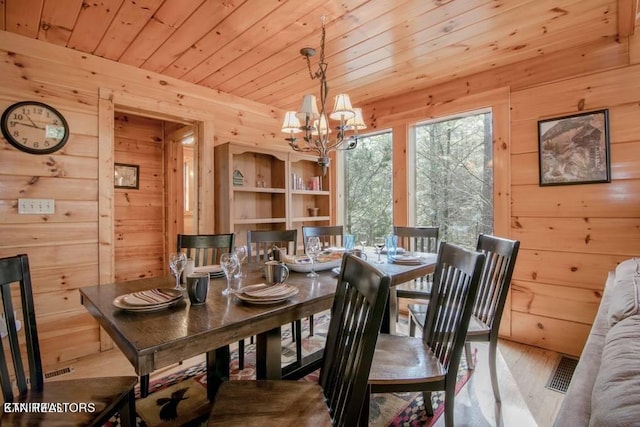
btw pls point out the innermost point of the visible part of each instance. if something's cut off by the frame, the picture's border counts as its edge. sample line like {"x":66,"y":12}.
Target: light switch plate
{"x":36,"y":206}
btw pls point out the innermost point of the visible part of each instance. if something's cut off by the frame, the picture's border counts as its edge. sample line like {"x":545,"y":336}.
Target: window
{"x":368,"y":198}
{"x":453,"y":177}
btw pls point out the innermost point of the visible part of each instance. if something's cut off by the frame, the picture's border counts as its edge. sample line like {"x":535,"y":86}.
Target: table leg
{"x":217,"y":370}
{"x":144,"y":385}
{"x":268,"y":355}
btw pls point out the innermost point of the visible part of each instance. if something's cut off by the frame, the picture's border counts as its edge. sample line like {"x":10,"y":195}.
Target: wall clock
{"x":34,"y":127}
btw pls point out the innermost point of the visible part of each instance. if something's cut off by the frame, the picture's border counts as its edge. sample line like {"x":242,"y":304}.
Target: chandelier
{"x":315,"y":124}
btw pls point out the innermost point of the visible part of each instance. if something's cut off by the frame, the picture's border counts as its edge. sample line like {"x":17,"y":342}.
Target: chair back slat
{"x":330,"y":235}
{"x":455,"y":284}
{"x":261,"y":242}
{"x":356,"y":317}
{"x":500,"y":260}
{"x":15,"y":280}
{"x":417,"y":239}
{"x":205,"y":249}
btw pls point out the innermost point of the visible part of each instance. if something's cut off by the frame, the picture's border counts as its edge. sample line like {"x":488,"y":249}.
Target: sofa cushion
{"x":625,"y":299}
{"x":614,"y":401}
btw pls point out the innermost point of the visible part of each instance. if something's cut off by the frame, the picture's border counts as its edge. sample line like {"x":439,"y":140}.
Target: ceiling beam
{"x":627,"y":17}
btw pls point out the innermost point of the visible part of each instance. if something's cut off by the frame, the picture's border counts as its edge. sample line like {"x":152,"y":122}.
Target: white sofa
{"x":605,"y":388}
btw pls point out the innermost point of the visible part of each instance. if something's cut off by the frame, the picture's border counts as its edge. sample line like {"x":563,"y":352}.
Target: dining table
{"x":151,"y":340}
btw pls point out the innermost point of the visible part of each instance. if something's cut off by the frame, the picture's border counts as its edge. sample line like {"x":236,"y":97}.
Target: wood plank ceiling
{"x":374,"y":48}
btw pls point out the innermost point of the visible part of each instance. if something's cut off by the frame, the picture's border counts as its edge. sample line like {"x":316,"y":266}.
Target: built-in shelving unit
{"x":268,"y":189}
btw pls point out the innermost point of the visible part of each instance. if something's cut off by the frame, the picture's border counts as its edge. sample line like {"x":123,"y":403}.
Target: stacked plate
{"x":149,"y":300}
{"x":406,"y":259}
{"x":215,"y":271}
{"x":266,"y":294}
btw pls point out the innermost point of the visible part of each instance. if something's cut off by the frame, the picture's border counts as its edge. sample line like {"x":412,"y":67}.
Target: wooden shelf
{"x":311,"y":219}
{"x":311,"y":192}
{"x":259,"y":220}
{"x":259,"y":189}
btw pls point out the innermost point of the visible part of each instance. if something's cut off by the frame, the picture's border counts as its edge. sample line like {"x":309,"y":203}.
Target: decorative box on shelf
{"x":238,"y":178}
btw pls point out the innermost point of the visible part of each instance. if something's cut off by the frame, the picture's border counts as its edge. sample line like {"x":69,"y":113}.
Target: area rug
{"x":179,"y":399}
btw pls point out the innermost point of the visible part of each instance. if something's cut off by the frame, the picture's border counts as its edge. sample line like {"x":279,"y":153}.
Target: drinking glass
{"x":313,"y":249}
{"x":229,"y":263}
{"x":379,"y":243}
{"x":363,"y":241}
{"x":241,"y":254}
{"x":177,"y":262}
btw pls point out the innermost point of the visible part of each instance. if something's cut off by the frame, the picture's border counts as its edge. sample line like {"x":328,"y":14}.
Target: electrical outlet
{"x":36,"y":206}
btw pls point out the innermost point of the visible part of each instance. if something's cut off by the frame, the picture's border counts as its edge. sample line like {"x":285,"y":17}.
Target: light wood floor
{"x":522,"y":370}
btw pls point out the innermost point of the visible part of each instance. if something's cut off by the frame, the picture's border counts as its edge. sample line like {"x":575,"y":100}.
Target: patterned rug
{"x":179,"y":399}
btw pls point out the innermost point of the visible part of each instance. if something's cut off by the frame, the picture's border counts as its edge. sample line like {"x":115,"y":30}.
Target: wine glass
{"x":378,"y":243}
{"x":363,"y":241}
{"x":229,"y":263}
{"x":313,"y":249}
{"x":177,"y":262}
{"x":241,"y":254}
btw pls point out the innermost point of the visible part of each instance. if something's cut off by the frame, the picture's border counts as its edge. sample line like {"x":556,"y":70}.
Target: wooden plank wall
{"x":571,"y":235}
{"x":139,"y":213}
{"x":64,"y":248}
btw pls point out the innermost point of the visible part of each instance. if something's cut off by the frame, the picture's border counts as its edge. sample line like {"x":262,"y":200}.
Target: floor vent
{"x":561,"y":376}
{"x":58,"y":372}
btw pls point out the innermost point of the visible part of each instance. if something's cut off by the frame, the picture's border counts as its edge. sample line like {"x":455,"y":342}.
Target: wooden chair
{"x":205,"y":249}
{"x":500,"y":260}
{"x":417,"y":239}
{"x":356,"y":317}
{"x":330,"y":235}
{"x":430,"y":363}
{"x":108,"y":394}
{"x":259,"y":249}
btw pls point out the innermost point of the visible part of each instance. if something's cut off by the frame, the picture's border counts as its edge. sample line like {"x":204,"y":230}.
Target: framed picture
{"x":574,"y":149}
{"x":126,"y":176}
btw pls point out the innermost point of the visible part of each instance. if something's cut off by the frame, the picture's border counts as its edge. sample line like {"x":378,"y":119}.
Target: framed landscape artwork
{"x":574,"y":149}
{"x":126,"y":176}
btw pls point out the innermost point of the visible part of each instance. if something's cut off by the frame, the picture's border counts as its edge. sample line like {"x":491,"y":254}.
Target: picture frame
{"x":574,"y":149}
{"x":126,"y":176}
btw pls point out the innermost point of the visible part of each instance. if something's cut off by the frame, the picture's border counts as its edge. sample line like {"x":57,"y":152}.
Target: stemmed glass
{"x":313,"y":249}
{"x":177,"y":262}
{"x":229,"y":263}
{"x":379,"y":244}
{"x":241,"y":254}
{"x":363,"y":241}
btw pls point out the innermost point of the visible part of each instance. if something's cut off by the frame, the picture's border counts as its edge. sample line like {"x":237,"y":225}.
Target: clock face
{"x":34,"y":127}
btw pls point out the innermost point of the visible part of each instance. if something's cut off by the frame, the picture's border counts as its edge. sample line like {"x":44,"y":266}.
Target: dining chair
{"x":500,"y":260}
{"x":330,"y":235}
{"x":260,"y":244}
{"x":25,"y":384}
{"x":430,"y":363}
{"x":205,"y":249}
{"x":336,"y":400}
{"x":417,"y":239}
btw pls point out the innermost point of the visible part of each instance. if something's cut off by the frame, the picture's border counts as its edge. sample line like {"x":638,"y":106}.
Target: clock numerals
{"x":34,"y":127}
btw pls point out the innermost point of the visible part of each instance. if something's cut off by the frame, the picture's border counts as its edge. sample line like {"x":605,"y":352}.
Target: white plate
{"x":319,"y":266}
{"x":406,"y":259}
{"x":398,"y":250}
{"x":119,"y":303}
{"x":152,"y":297}
{"x":211,"y":269}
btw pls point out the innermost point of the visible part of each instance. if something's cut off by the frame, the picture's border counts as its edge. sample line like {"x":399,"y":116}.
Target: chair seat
{"x":106,"y":393}
{"x":415,"y":289}
{"x":417,"y":365}
{"x":270,"y":403}
{"x":476,"y":327}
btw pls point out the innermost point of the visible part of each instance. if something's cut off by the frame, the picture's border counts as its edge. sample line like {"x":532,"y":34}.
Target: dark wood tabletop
{"x":152,"y":340}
